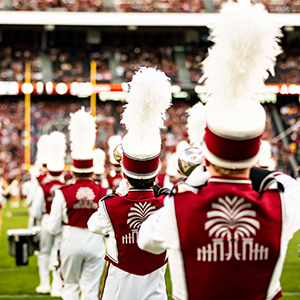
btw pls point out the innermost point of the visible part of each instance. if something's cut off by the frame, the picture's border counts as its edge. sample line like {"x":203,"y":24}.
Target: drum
{"x":22,"y":243}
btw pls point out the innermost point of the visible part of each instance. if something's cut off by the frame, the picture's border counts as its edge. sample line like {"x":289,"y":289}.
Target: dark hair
{"x":83,"y":175}
{"x":141,"y":183}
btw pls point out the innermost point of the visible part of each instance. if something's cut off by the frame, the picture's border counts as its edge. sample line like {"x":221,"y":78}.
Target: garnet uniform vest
{"x":42,"y":179}
{"x":48,"y":190}
{"x":82,"y":199}
{"x":126,"y":215}
{"x":114,"y":181}
{"x":230,"y":240}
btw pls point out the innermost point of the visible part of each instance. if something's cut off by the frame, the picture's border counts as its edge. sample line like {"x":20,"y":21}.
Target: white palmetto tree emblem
{"x":232,"y":219}
{"x":139,"y":213}
{"x":85,"y":193}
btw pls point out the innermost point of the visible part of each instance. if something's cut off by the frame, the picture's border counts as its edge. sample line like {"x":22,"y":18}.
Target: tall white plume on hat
{"x":265,"y":156}
{"x":196,"y":124}
{"x":244,"y":51}
{"x":57,"y":153}
{"x":148,"y":99}
{"x":42,"y":150}
{"x":99,"y":161}
{"x":82,"y":135}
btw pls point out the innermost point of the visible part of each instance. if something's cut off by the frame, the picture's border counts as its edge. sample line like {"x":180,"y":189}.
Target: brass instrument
{"x":118,"y":153}
{"x":189,"y":159}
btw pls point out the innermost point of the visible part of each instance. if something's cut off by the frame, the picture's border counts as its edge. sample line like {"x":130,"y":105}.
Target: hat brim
{"x":77,"y":170}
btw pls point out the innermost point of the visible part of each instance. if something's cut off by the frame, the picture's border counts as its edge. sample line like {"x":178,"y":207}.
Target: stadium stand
{"x":157,"y":6}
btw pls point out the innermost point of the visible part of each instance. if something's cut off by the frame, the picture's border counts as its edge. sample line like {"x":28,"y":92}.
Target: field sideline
{"x":20,"y":282}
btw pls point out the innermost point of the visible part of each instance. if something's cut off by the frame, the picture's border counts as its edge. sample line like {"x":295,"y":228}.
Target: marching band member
{"x":81,"y":252}
{"x":40,"y":211}
{"x":38,"y":173}
{"x":133,"y":274}
{"x":229,"y":239}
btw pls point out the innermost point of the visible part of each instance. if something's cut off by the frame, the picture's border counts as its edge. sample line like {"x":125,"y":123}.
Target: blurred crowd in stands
{"x":290,"y":115}
{"x":164,"y":6}
{"x":12,"y":64}
{"x":189,"y":6}
{"x":74,"y":65}
{"x":61,"y":5}
{"x":129,"y":60}
{"x":119,"y":64}
{"x":273,"y":6}
{"x":160,"y":6}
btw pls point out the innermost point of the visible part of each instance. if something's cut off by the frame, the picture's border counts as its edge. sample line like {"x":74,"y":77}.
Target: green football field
{"x":19,"y":282}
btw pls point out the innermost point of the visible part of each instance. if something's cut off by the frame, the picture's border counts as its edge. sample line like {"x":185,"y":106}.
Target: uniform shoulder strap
{"x":109,"y":196}
{"x":262,"y":179}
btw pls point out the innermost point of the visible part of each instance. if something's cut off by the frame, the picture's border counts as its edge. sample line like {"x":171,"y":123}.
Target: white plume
{"x":57,"y":150}
{"x":99,"y":161}
{"x":246,"y":46}
{"x":265,"y":153}
{"x":148,"y":99}
{"x":43,"y":149}
{"x":181,"y":146}
{"x":196,"y":123}
{"x":82,"y":133}
{"x":113,"y":142}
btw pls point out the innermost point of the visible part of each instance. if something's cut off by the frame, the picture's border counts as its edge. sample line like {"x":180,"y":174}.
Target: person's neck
{"x":244,"y":173}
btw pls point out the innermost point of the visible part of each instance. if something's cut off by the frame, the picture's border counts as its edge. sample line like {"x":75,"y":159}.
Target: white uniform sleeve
{"x":291,"y":203}
{"x":123,"y":187}
{"x":159,"y":232}
{"x":98,"y":222}
{"x":58,"y":213}
{"x":38,"y":204}
{"x":33,"y":186}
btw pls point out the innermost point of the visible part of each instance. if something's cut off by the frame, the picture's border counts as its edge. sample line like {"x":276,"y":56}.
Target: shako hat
{"x":57,"y":153}
{"x":82,"y":136}
{"x":148,"y":99}
{"x":244,"y":51}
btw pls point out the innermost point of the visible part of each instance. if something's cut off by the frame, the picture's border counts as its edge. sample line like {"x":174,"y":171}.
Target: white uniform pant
{"x":47,"y":257}
{"x":82,"y":263}
{"x":120,"y":285}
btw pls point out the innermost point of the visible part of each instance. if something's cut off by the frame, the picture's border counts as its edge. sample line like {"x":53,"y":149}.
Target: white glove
{"x":123,"y":187}
{"x":198,"y":177}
